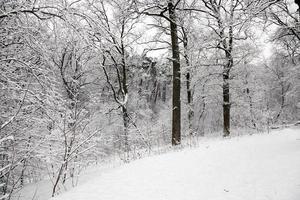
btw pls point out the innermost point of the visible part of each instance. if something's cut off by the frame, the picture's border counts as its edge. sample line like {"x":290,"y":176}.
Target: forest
{"x":83,"y":81}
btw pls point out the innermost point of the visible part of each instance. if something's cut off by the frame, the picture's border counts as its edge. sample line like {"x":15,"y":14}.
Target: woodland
{"x":82,"y":81}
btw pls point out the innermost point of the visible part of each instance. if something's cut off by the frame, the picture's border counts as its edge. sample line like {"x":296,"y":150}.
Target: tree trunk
{"x":57,"y":180}
{"x":282,"y":103}
{"x":126,"y":124}
{"x":124,"y":107}
{"x":188,"y":84}
{"x":164,"y":91}
{"x":176,"y":115}
{"x":226,"y":97}
{"x":190,"y":103}
{"x":251,"y":107}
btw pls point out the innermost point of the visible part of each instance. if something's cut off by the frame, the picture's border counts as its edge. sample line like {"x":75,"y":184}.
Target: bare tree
{"x":156,"y":9}
{"x":225,"y":19}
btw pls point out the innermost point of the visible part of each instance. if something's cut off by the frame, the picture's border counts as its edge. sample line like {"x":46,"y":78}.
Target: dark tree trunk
{"x":190,"y":103}
{"x":188,"y":87}
{"x":57,"y":180}
{"x":164,"y":91}
{"x":227,"y":46}
{"x":176,"y":115}
{"x":226,"y":97}
{"x":126,"y":125}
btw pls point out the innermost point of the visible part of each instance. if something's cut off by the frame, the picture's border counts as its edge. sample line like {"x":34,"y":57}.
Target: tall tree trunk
{"x":190,"y":103}
{"x":164,"y":91}
{"x":188,"y":84}
{"x":227,"y":43}
{"x":176,"y":111}
{"x":126,"y":125}
{"x":57,"y":180}
{"x":124,"y":107}
{"x":251,"y":107}
{"x":226,"y":97}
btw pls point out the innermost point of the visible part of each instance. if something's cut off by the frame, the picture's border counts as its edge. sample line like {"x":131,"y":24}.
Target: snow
{"x":6,"y":139}
{"x":256,"y":167}
{"x":4,"y":197}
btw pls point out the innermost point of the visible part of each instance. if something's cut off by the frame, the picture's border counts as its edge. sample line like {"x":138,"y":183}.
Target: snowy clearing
{"x":257,"y":167}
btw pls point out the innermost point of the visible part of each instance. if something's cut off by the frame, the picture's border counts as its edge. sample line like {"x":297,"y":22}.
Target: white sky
{"x":263,"y":41}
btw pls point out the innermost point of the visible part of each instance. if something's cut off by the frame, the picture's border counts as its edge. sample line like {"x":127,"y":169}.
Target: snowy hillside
{"x":257,"y":167}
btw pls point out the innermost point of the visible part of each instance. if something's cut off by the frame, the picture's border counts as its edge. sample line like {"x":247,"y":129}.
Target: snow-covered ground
{"x":256,"y":167}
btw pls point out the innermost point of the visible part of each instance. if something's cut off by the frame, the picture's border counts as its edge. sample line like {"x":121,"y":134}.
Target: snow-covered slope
{"x":257,"y":167}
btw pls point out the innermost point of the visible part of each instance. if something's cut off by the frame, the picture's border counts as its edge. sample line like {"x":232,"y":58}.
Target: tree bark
{"x":188,"y":84}
{"x":124,"y":107}
{"x":250,"y":104}
{"x":226,"y":97}
{"x":176,"y":111}
{"x":228,"y":46}
{"x":126,"y":125}
{"x":164,"y":91}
